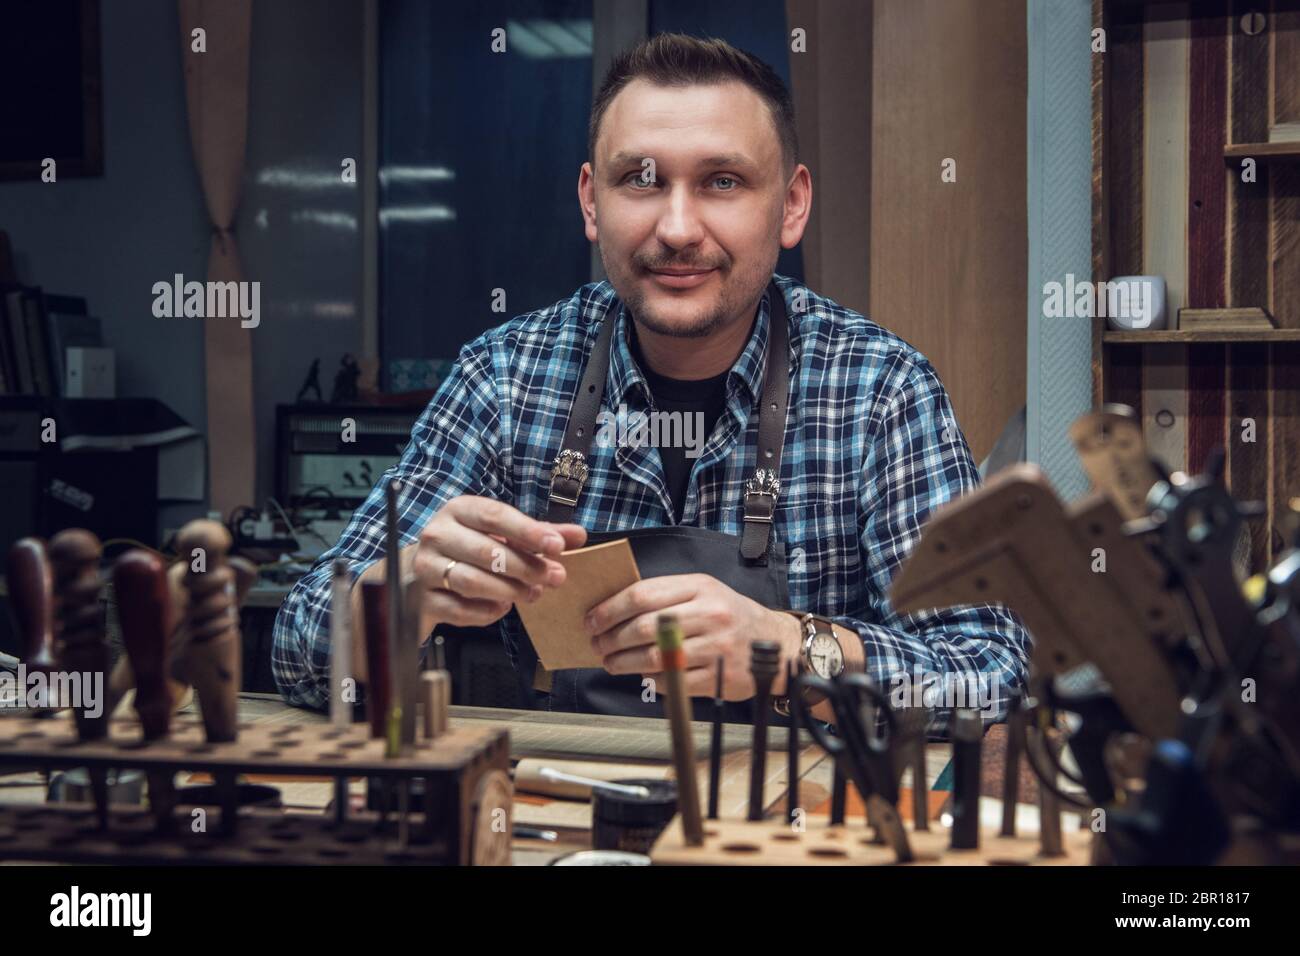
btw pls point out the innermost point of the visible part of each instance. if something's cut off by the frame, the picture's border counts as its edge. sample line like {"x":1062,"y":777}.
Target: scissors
{"x":865,"y":756}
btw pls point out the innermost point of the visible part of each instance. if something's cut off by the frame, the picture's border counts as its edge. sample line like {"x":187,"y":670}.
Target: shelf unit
{"x":1176,"y":83}
{"x":1198,"y":336}
{"x":1264,"y":152}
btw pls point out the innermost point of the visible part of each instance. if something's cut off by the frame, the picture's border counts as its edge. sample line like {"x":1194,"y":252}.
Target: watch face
{"x":825,"y":656}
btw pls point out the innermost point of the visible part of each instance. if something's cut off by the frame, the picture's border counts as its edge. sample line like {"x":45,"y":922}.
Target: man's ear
{"x":587,"y":200}
{"x":798,"y":206}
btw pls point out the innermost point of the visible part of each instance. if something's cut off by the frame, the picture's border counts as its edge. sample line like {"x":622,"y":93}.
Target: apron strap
{"x":570,"y":469}
{"x":569,"y":472}
{"x":761,"y":490}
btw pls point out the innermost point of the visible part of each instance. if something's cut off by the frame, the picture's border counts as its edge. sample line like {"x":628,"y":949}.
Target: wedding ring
{"x":445,"y":585}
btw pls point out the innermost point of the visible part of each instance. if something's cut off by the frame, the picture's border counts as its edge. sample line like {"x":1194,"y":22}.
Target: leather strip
{"x":581,"y":429}
{"x":760,"y":508}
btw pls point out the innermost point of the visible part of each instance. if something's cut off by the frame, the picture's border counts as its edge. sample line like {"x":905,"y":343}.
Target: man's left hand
{"x":716,"y":622}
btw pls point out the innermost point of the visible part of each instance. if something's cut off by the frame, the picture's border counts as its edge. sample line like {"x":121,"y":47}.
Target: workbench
{"x":641,"y":745}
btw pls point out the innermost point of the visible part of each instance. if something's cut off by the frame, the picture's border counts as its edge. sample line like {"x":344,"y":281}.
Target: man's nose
{"x":679,"y":222}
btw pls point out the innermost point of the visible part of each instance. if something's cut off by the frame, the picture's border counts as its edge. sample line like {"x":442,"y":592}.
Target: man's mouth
{"x":681,"y":278}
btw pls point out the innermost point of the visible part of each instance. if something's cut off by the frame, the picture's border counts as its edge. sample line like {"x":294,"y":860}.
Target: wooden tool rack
{"x":461,"y":815}
{"x":774,"y":842}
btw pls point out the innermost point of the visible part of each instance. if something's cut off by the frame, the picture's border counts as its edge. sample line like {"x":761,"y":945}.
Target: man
{"x":692,"y":187}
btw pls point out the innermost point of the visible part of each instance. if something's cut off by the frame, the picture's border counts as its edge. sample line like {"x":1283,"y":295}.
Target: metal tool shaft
{"x":920,"y":787}
{"x":839,"y":795}
{"x":1011,"y":771}
{"x":395,"y":718}
{"x":792,"y":747}
{"x":715,"y":745}
{"x":764,"y":661}
{"x":967,"y":734}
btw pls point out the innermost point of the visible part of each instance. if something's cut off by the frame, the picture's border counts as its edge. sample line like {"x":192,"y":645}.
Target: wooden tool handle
{"x":31,"y":593}
{"x":209,"y":579}
{"x":74,"y":559}
{"x":375,"y":630}
{"x":213,"y":649}
{"x":140,"y":583}
{"x":211,"y":536}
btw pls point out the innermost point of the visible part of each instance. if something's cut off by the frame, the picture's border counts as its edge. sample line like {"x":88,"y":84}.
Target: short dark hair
{"x":675,"y":59}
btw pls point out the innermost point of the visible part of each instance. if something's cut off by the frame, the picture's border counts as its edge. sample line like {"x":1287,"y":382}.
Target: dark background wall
{"x":110,"y":238}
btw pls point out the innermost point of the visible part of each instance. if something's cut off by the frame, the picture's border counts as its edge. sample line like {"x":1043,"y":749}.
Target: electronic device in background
{"x":329,"y":457}
{"x":96,"y":464}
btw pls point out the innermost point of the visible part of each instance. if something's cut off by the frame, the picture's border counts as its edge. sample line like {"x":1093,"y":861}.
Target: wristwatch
{"x":821,"y":654}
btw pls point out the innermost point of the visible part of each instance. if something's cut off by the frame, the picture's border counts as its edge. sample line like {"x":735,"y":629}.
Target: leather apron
{"x":752,"y":564}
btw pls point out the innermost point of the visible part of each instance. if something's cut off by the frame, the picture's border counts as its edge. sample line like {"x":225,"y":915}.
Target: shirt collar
{"x":624,"y":374}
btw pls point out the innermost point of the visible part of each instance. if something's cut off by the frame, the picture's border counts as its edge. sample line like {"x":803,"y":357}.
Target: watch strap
{"x":811,"y":697}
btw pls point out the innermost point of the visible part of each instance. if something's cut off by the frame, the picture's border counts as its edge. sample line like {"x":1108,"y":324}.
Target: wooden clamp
{"x":1012,"y":542}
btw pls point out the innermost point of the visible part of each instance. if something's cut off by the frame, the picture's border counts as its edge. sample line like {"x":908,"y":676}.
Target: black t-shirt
{"x":706,"y":397}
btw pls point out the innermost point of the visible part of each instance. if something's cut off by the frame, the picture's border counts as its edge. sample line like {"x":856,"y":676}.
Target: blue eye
{"x":727,"y":179}
{"x":639,"y":180}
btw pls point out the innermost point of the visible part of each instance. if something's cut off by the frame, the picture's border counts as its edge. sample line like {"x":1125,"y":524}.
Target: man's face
{"x":687,"y":202}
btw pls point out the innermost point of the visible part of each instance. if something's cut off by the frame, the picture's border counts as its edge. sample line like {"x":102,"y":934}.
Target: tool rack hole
{"x":740,"y":847}
{"x":827,"y":851}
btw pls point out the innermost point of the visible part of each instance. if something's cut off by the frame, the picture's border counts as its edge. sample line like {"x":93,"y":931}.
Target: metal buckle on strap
{"x":760,"y":495}
{"x":570,"y":468}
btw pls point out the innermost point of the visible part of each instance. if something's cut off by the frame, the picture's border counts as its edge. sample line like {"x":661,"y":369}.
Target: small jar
{"x":628,"y":823}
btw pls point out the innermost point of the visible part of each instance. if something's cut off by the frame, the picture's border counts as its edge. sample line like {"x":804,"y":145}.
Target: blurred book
{"x":18,"y":367}
{"x":38,"y":342}
{"x":1225,"y":320}
{"x":1284,"y":133}
{"x":36,"y":330}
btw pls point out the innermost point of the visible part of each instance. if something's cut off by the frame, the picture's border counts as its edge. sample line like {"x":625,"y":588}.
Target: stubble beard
{"x":704,"y":325}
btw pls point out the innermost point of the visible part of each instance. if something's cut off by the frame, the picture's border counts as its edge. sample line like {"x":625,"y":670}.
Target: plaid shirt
{"x":872,"y":448}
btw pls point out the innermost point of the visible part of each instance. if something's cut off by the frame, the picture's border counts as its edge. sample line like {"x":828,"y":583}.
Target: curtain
{"x":216,"y":94}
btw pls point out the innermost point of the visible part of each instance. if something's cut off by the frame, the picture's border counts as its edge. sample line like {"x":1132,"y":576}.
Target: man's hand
{"x":716,"y":622}
{"x":501,"y":556}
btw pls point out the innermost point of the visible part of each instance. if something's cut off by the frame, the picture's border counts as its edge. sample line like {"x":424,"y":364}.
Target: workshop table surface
{"x":638,"y":746}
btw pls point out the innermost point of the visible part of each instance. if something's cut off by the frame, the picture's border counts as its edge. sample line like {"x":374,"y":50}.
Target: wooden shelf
{"x":1265,"y":152}
{"x":1186,"y":337}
